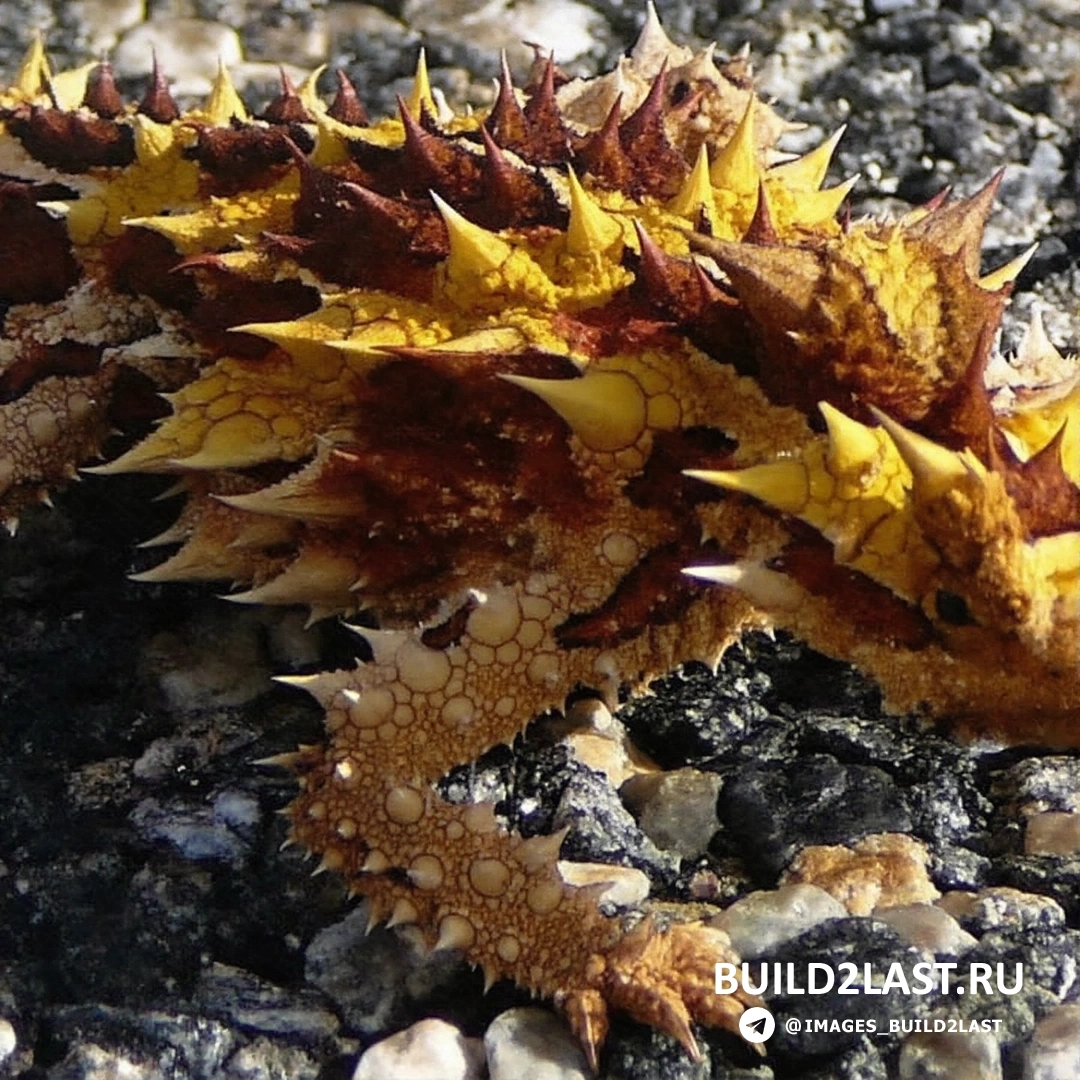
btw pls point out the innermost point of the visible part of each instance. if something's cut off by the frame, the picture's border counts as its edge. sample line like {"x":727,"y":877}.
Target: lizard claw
{"x":665,"y":979}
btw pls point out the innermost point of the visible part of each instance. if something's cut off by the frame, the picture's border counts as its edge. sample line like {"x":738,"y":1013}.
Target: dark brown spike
{"x":286,"y":108}
{"x":549,"y":140}
{"x":347,"y":108}
{"x":71,"y":142}
{"x":761,"y":229}
{"x":643,"y":121}
{"x":935,"y":202}
{"x":963,"y":416}
{"x":511,"y":196}
{"x":434,"y":162}
{"x":506,"y":122}
{"x":658,"y":168}
{"x":102,"y":96}
{"x":602,"y":155}
{"x":1046,"y":499}
{"x":957,"y":228}
{"x":157,"y":103}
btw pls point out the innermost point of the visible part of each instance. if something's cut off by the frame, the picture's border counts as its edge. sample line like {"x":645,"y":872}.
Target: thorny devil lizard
{"x":501,"y":380}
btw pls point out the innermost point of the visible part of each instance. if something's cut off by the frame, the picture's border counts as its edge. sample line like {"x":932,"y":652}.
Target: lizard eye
{"x":951,"y":608}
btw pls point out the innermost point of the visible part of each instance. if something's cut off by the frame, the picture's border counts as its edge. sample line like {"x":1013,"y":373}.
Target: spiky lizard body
{"x":453,"y":370}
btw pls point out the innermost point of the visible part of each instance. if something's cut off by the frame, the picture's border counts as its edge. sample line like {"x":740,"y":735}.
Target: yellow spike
{"x":807,"y":173}
{"x":1007,"y":274}
{"x":494,"y":339}
{"x":224,"y":102}
{"x":935,"y":469}
{"x":421,"y":96}
{"x":812,"y":207}
{"x":783,"y":484}
{"x":851,"y":445}
{"x":591,"y":229}
{"x":69,"y":87}
{"x":606,"y":409}
{"x":473,"y":251}
{"x":309,"y":94}
{"x":34,"y":73}
{"x":696,"y":191}
{"x":735,"y":167}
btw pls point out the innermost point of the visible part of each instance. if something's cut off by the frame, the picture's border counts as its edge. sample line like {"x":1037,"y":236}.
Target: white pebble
{"x":429,"y":1050}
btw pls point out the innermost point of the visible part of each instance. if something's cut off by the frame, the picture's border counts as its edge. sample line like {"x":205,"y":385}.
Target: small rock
{"x":8,"y":1040}
{"x":763,"y":921}
{"x":429,"y":1050}
{"x":1054,"y":1050}
{"x":929,"y":928}
{"x":883,"y":871}
{"x":106,"y":20}
{"x":1052,"y":833}
{"x":1002,"y":908}
{"x":950,"y":1056}
{"x":534,"y":1043}
{"x":676,"y":810}
{"x":1038,"y":784}
{"x":624,"y":886}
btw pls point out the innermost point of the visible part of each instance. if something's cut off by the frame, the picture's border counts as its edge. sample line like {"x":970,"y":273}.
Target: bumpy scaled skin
{"x":497,"y":381}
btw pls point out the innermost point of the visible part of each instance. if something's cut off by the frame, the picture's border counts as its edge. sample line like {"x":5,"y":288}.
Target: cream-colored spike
{"x":591,"y":229}
{"x":176,"y":533}
{"x":1007,"y":274}
{"x":420,"y":96}
{"x":783,"y":484}
{"x":852,"y":445}
{"x":224,"y":102}
{"x":1035,"y":346}
{"x":770,"y":589}
{"x":807,"y":173}
{"x":935,"y":469}
{"x":473,"y":251}
{"x":653,"y":46}
{"x":606,"y":409}
{"x":696,"y":191}
{"x":315,"y":578}
{"x":735,"y":167}
{"x":34,"y":74}
{"x":455,"y":932}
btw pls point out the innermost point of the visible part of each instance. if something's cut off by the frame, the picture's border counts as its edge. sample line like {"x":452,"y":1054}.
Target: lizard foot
{"x":665,"y":979}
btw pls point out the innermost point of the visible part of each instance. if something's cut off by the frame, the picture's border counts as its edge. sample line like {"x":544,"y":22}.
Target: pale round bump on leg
{"x":458,"y":711}
{"x":375,"y":862}
{"x":489,"y":877}
{"x":404,"y":805}
{"x":317,"y":811}
{"x":346,"y":828}
{"x":496,"y":620}
{"x":508,"y":949}
{"x":620,"y":549}
{"x":404,"y":715}
{"x":344,"y":771}
{"x":455,"y":932}
{"x":404,"y":912}
{"x":422,"y":669}
{"x":43,"y":427}
{"x":479,"y":819}
{"x":543,"y":897}
{"x":530,"y":634}
{"x":454,"y":831}
{"x":371,"y":708}
{"x":426,"y":872}
{"x":543,"y":669}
